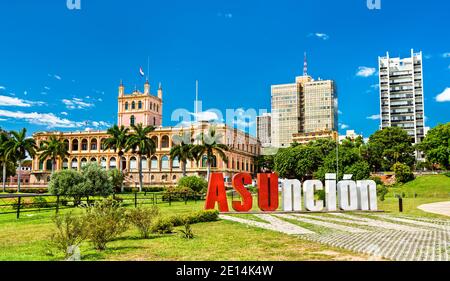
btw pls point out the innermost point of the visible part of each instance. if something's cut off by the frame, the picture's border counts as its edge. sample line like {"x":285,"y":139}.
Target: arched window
{"x":133,"y":105}
{"x":214,"y":162}
{"x":112,"y":163}
{"x":165,"y":162}
{"x":94,"y":144}
{"x":65,"y":164}
{"x":176,"y":163}
{"x":83,"y":162}
{"x":140,"y":105}
{"x":144,"y":163}
{"x":154,"y":121}
{"x":151,"y":106}
{"x":126,"y":106}
{"x":48,"y":165}
{"x":164,"y":178}
{"x":157,"y":108}
{"x":66,"y":144}
{"x":133,"y":163}
{"x":204,"y":160}
{"x":154,"y":163}
{"x":75,"y":144}
{"x":84,"y":145}
{"x":41,"y":165}
{"x":165,"y":142}
{"x":74,"y":164}
{"x":93,"y":160}
{"x":132,"y":120}
{"x":174,"y":178}
{"x":155,"y":140}
{"x":103,"y":162}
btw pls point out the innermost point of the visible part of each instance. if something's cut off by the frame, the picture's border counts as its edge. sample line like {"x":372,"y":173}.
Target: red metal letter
{"x":239,"y":180}
{"x":268,"y":192}
{"x":216,"y":193}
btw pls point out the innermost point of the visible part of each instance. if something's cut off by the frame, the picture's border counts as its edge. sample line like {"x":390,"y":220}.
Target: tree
{"x":67,"y":183}
{"x":117,"y":141}
{"x":140,"y":143}
{"x":182,"y":150}
{"x":96,"y":181}
{"x":297,"y":161}
{"x":436,"y":145}
{"x":116,"y":178}
{"x":402,"y":172}
{"x":194,"y":183}
{"x":7,"y":163}
{"x":53,"y":148}
{"x":389,"y":146}
{"x":265,"y":163}
{"x":211,"y":145}
{"x":19,"y":147}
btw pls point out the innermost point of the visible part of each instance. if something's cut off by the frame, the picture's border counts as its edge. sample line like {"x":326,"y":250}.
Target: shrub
{"x":162,"y":226}
{"x":197,"y":217}
{"x":381,"y":192}
{"x":104,"y":222}
{"x":70,"y":231}
{"x":447,"y":174}
{"x":96,"y":181}
{"x":403,"y":173}
{"x":116,"y":178}
{"x":187,"y":232}
{"x":143,"y":218}
{"x":377,"y":180}
{"x":194,"y":183}
{"x":40,"y":202}
{"x":177,"y":193}
{"x":67,"y":183}
{"x":151,"y":189}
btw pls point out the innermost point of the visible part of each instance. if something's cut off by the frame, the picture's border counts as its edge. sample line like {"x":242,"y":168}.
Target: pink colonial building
{"x":159,"y":169}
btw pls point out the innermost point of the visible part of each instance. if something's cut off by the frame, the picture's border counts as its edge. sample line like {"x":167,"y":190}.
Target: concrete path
{"x":441,"y":208}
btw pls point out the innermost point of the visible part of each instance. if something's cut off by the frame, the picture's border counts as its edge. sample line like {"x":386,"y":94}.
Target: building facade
{"x":263,"y":129}
{"x":401,"y":94}
{"x":305,"y":108}
{"x":159,"y":169}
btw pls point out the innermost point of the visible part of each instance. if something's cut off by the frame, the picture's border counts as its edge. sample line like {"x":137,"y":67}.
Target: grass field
{"x":27,"y":238}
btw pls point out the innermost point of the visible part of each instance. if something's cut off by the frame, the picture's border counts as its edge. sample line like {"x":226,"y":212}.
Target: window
{"x":126,"y":106}
{"x":75,"y":145}
{"x":83,"y":162}
{"x":154,"y":163}
{"x":165,"y":142}
{"x":133,"y":105}
{"x":133,"y":163}
{"x":93,"y":144}
{"x":103,"y":162}
{"x":74,"y":164}
{"x":65,"y":164}
{"x":112,"y":163}
{"x":139,"y":105}
{"x":144,"y":163}
{"x":132,"y":120}
{"x":165,"y":163}
{"x":84,"y":145}
{"x":176,"y":163}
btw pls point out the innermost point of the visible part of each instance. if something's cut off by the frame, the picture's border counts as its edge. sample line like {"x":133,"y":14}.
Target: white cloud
{"x":47,"y":88}
{"x":12,"y":101}
{"x":225,"y":15}
{"x":375,"y":86}
{"x":322,"y":36}
{"x":206,"y":116}
{"x":444,"y":96}
{"x":77,"y":103}
{"x":100,"y":124}
{"x":364,"y":71}
{"x":340,"y":112}
{"x":64,"y":113}
{"x":57,"y":77}
{"x":446,"y":55}
{"x":374,"y":117}
{"x":243,"y":123}
{"x":2,"y":88}
{"x":344,"y":126}
{"x":45,"y":119}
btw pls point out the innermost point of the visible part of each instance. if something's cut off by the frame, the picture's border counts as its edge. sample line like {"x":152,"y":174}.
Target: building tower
{"x":264,"y":130}
{"x":140,"y":108}
{"x":401,"y":94}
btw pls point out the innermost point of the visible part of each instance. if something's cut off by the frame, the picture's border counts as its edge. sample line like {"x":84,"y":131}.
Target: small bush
{"x":187,"y":232}
{"x":105,"y":221}
{"x":40,"y":202}
{"x":447,"y":174}
{"x":152,"y":189}
{"x":143,"y":218}
{"x":377,"y":180}
{"x":162,"y":226}
{"x":70,"y":231}
{"x":403,"y":173}
{"x":194,"y":183}
{"x":381,"y":192}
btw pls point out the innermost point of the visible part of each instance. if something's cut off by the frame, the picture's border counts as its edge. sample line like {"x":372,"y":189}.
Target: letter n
{"x":216,"y":193}
{"x":239,"y":182}
{"x":268,"y":192}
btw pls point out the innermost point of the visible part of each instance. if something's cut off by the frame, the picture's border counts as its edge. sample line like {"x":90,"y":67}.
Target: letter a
{"x":239,"y":181}
{"x":268,"y":192}
{"x":216,"y":193}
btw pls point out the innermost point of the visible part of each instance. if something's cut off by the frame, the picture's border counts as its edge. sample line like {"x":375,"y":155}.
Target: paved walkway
{"x":441,"y":208}
{"x":400,"y":238}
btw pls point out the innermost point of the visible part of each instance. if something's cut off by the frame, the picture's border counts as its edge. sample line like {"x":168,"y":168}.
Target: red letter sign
{"x":239,"y":181}
{"x":216,"y":193}
{"x":268,"y":192}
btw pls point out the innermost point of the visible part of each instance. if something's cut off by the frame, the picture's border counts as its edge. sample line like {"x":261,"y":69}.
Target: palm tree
{"x":19,"y":146}
{"x":53,"y":148}
{"x":118,"y":141}
{"x":182,"y":150}
{"x":4,"y":138}
{"x":211,"y":144}
{"x":140,"y":143}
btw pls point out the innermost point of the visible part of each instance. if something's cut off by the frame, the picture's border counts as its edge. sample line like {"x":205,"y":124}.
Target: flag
{"x":141,"y":72}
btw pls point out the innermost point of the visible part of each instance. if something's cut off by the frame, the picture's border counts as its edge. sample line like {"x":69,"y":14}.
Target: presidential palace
{"x":160,"y":169}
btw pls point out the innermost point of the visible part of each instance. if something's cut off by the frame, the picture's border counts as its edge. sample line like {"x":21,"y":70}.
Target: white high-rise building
{"x":263,"y":125}
{"x":401,"y":94}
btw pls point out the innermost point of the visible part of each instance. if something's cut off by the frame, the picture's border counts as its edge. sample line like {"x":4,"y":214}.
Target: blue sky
{"x":60,"y":68}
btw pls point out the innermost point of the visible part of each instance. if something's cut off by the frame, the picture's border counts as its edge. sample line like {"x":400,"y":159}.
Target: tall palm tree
{"x":117,"y":140}
{"x":141,"y":143}
{"x":211,"y":145}
{"x":53,"y":148}
{"x":182,"y":150}
{"x":19,"y":146}
{"x":4,"y":157}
